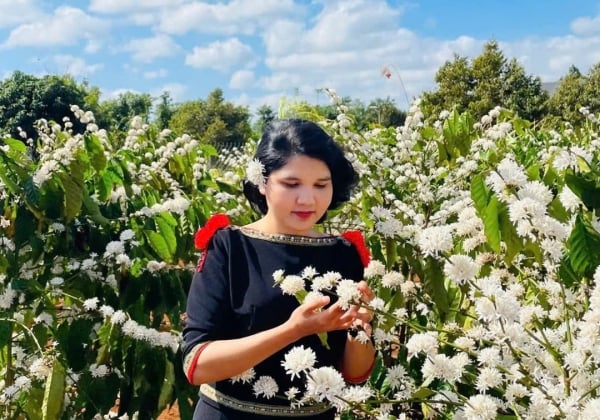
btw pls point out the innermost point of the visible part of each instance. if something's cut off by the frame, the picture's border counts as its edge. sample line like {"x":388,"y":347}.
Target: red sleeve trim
{"x":206,"y":232}
{"x":360,"y":379}
{"x":194,"y":362}
{"x":357,"y":239}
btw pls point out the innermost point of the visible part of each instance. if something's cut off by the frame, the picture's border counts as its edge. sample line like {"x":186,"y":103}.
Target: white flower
{"x":324,"y":383}
{"x":255,"y":173}
{"x":358,"y":394}
{"x":245,"y":377}
{"x":591,"y":409}
{"x":4,"y":223}
{"x":114,"y":248}
{"x":99,"y":371}
{"x":461,"y":269}
{"x":375,"y":268}
{"x":396,"y":375}
{"x":422,"y":342}
{"x":435,"y":239}
{"x":392,"y":280}
{"x":292,"y":284}
{"x":278,"y":275}
{"x":480,"y":407}
{"x":126,"y":235}
{"x":90,"y":304}
{"x":119,"y":317}
{"x":348,"y":293}
{"x":266,"y":386}
{"x":298,"y":360}
{"x":568,"y":199}
{"x":308,"y":272}
{"x":154,"y":266}
{"x":56,"y":281}
{"x":488,"y":378}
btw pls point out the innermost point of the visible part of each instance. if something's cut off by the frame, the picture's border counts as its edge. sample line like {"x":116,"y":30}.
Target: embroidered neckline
{"x":286,"y":238}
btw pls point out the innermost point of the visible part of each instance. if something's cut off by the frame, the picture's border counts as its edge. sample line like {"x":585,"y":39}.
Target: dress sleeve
{"x":208,"y":306}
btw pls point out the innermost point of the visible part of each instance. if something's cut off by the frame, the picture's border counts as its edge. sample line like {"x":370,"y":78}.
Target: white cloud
{"x":115,"y":93}
{"x":147,"y":50}
{"x":177,"y":91}
{"x":67,"y":26}
{"x":241,"y":79}
{"x":120,"y":6}
{"x":156,"y":74}
{"x":234,"y":17}
{"x":221,"y":55}
{"x":15,"y":12}
{"x":586,"y":25}
{"x":75,"y":66}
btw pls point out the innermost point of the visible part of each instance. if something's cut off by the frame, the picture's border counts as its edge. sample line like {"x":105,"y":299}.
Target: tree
{"x":127,"y":105}
{"x":591,"y":90}
{"x":24,"y":99}
{"x":487,"y":72}
{"x":523,"y":94}
{"x":213,"y":120}
{"x":488,"y":81}
{"x":566,"y":100}
{"x":454,"y":88}
{"x":164,"y":110}
{"x":265,"y":115}
{"x":385,"y":113}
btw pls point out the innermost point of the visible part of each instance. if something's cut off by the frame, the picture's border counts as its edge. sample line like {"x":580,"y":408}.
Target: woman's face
{"x":298,"y":195}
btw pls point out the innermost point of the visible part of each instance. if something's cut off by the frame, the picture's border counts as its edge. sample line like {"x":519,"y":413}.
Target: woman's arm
{"x":358,"y":359}
{"x":224,"y":359}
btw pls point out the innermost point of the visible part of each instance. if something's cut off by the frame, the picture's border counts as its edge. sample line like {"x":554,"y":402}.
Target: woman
{"x":239,"y":323}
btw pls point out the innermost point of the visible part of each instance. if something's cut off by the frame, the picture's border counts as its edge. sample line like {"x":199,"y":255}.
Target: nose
{"x":305,"y":196}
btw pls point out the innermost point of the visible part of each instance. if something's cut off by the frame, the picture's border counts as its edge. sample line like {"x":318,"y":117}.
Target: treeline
{"x":476,"y":85}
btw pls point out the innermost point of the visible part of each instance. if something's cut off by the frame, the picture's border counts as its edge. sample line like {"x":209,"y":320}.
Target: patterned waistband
{"x":263,"y":409}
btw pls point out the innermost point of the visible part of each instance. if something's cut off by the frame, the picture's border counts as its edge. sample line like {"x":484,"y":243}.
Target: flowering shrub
{"x":96,"y":256}
{"x":484,"y":237}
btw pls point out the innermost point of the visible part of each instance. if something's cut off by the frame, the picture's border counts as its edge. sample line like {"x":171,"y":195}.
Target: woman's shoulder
{"x":214,"y":224}
{"x":357,"y":240}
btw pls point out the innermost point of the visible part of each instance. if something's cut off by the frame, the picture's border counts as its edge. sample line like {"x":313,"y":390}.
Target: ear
{"x":262,"y":189}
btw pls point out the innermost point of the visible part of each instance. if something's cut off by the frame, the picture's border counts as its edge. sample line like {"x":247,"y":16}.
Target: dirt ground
{"x":170,"y":414}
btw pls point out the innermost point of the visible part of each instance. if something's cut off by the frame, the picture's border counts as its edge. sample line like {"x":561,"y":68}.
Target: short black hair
{"x":284,"y":138}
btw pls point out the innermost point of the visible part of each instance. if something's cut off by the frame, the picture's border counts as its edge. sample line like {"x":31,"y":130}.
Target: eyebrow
{"x":294,"y":178}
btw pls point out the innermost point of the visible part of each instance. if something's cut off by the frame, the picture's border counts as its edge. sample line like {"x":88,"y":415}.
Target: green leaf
{"x":95,"y":152}
{"x":586,"y":189}
{"x":434,"y":285}
{"x":168,"y":233}
{"x":158,"y":244}
{"x":93,"y":210}
{"x":166,"y":390}
{"x":54,"y":393}
{"x":584,"y":244}
{"x":479,"y":194}
{"x":491,"y":225}
{"x":25,"y":224}
{"x":5,"y":332}
{"x":72,"y":185}
{"x":16,"y":145}
{"x":422,"y":393}
{"x":514,"y":243}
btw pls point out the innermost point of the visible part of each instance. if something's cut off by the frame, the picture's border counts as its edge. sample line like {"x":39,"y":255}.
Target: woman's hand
{"x":364,"y":316}
{"x":313,"y":318}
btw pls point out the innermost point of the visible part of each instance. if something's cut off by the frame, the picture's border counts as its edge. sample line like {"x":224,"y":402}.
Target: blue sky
{"x":259,"y":51}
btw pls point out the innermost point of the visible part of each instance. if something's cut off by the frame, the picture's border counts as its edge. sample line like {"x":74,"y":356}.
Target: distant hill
{"x":550,"y":87}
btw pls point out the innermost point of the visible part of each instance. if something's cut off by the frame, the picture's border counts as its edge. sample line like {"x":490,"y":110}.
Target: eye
{"x":290,"y":185}
{"x":320,"y":186}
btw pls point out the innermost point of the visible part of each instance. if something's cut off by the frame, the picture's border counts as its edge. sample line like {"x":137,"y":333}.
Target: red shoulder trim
{"x":357,"y":239}
{"x":206,"y":232}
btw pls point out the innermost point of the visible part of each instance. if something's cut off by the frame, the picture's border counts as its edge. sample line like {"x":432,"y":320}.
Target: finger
{"x":315,"y":304}
{"x":365,"y":291}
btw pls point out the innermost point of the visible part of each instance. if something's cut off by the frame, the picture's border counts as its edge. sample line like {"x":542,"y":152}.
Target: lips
{"x":303,"y":214}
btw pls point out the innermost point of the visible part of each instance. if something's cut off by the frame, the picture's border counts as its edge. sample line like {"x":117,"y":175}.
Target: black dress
{"x":233,"y":295}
